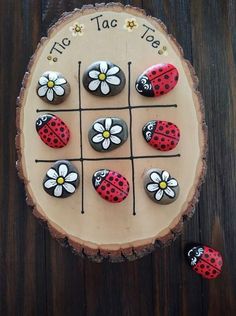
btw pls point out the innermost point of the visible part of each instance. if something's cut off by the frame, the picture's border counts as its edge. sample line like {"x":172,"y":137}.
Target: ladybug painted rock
{"x":205,"y":261}
{"x":162,"y":135}
{"x":157,"y":80}
{"x":52,"y":130}
{"x":111,"y":185}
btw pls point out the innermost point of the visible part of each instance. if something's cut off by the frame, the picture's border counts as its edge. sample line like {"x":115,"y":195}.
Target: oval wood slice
{"x":92,"y":226}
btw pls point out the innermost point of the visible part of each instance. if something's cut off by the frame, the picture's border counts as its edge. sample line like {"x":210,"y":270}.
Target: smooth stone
{"x":204,"y":260}
{"x":161,"y":135}
{"x":52,"y":131}
{"x":110,"y":185}
{"x":53,"y":87}
{"x":157,"y":80}
{"x":106,"y":134}
{"x":104,"y":79}
{"x":160,"y":186}
{"x":61,"y":180}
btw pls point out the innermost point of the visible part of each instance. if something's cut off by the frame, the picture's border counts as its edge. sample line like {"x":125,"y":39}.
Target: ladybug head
{"x":144,"y":86}
{"x":194,"y":254}
{"x":148,"y":130}
{"x":43,"y":120}
{"x":99,"y":176}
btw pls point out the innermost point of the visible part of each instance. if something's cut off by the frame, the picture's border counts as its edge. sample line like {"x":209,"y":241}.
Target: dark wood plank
{"x":37,"y":275}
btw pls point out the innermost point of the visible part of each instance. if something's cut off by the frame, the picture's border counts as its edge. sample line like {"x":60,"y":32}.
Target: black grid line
{"x":113,"y":108}
{"x":131,"y":157}
{"x":81,"y":139}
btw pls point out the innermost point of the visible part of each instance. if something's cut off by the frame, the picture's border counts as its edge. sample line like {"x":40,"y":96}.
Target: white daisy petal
{"x":71,"y":177}
{"x":106,"y":143}
{"x":105,"y":88}
{"x":98,"y":138}
{"x":50,"y":183}
{"x":69,"y":187}
{"x":63,"y":170}
{"x":59,"y":90}
{"x":113,"y":80}
{"x":169,"y":192}
{"x":50,"y":95}
{"x":116,"y":129}
{"x":159,"y":195}
{"x":60,"y":81}
{"x":93,"y":85}
{"x":43,"y":81}
{"x":58,"y":190}
{"x":115,"y":140}
{"x":103,"y":67}
{"x":98,"y":127}
{"x":52,"y":174}
{"x":172,"y":183}
{"x":151,"y":187}
{"x":112,"y":71}
{"x":108,"y":123}
{"x":94,"y":74}
{"x":155,"y":177}
{"x":42,"y":91}
{"x":52,"y":76}
{"x":165,"y":175}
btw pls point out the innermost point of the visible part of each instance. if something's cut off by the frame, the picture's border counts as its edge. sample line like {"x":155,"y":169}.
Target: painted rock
{"x":61,"y":180}
{"x":53,"y":87}
{"x":52,"y":130}
{"x":204,"y":260}
{"x":157,"y":80}
{"x":111,"y":185}
{"x":160,"y":186}
{"x":161,"y":135}
{"x":107,"y":134}
{"x":103,"y":78}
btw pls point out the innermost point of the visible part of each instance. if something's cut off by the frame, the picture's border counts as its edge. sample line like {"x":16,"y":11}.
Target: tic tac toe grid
{"x":127,"y":110}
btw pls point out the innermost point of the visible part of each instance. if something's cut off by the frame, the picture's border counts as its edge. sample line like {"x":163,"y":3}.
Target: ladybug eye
{"x":143,"y":81}
{"x":44,"y":118}
{"x":150,"y":127}
{"x":148,"y":135}
{"x":39,"y":122}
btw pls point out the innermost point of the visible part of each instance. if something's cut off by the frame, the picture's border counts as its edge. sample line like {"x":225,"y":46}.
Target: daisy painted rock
{"x":160,"y":186}
{"x":53,"y":87}
{"x":103,"y":78}
{"x":107,"y":134}
{"x":61,"y":180}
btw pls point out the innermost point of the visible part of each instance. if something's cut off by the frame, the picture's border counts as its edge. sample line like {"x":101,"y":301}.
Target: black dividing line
{"x":81,"y":144}
{"x":131,"y":138}
{"x":113,"y":108}
{"x":111,"y":158}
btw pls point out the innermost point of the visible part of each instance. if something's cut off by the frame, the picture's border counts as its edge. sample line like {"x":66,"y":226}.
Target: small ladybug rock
{"x":162,"y":135}
{"x":205,"y":261}
{"x":157,"y":80}
{"x":52,"y":130}
{"x":110,"y":185}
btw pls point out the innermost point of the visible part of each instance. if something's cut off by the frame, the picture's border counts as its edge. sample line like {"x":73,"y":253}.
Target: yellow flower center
{"x":51,"y":84}
{"x":131,"y":24}
{"x":77,"y":28}
{"x":60,"y":180}
{"x":163,"y":185}
{"x":106,"y":134}
{"x":102,"y":77}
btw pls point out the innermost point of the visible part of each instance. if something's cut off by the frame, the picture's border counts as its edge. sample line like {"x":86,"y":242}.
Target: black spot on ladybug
{"x":62,"y":135}
{"x":166,"y":77}
{"x":155,"y":138}
{"x":167,"y":86}
{"x":163,"y":146}
{"x":46,"y":130}
{"x":111,"y":178}
{"x":167,"y":132}
{"x":53,"y":123}
{"x":162,"y":92}
{"x":172,"y":143}
{"x":55,"y":141}
{"x":48,"y":139}
{"x":118,"y":176}
{"x":162,"y":139}
{"x":120,"y":183}
{"x":160,"y":127}
{"x":159,"y":80}
{"x":206,"y":255}
{"x":212,"y":260}
{"x":103,"y":187}
{"x":115,"y":199}
{"x":214,"y":271}
{"x":207,"y":273}
{"x":112,"y":190}
{"x":176,"y":78}
{"x":154,"y":72}
{"x":160,"y":69}
{"x":202,"y":266}
{"x":108,"y":185}
{"x":157,"y":87}
{"x":62,"y":129}
{"x":106,"y":197}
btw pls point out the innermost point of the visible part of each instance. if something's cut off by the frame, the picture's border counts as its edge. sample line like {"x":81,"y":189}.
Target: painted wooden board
{"x":90,"y":224}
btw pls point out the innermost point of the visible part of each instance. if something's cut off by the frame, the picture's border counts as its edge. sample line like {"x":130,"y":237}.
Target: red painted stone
{"x":52,"y":130}
{"x":157,"y":80}
{"x":205,"y":261}
{"x":161,"y":135}
{"x":111,"y":185}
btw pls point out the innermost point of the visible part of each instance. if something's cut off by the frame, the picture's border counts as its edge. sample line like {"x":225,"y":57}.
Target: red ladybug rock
{"x":52,"y":130}
{"x":157,"y":80}
{"x":205,"y":261}
{"x":111,"y":185}
{"x":162,"y":135}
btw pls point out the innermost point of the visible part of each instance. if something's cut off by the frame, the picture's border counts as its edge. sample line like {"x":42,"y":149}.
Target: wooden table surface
{"x":37,"y":275}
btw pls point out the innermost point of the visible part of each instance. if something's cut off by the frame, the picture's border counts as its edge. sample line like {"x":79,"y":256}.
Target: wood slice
{"x":92,"y":226}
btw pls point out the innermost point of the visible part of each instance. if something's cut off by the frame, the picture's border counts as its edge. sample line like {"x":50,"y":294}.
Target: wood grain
{"x":37,"y":275}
